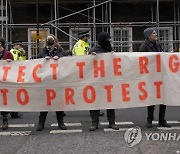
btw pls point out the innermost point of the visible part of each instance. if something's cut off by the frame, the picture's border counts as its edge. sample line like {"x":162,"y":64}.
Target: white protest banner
{"x":104,"y":81}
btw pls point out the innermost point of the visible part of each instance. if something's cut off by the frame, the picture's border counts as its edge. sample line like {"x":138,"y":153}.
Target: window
{"x":32,"y":40}
{"x":74,"y":33}
{"x":122,"y":39}
{"x":166,"y":38}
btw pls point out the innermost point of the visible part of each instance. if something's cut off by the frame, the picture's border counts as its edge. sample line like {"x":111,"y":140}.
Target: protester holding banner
{"x":103,"y":46}
{"x":151,"y":45}
{"x":82,"y":48}
{"x":52,"y":50}
{"x":5,"y":55}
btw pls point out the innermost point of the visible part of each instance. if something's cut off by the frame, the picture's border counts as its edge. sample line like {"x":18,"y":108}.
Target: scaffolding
{"x":105,"y":24}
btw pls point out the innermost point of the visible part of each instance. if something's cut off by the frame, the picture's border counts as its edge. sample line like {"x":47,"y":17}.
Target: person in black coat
{"x":5,"y":55}
{"x":53,"y":50}
{"x":103,"y":46}
{"x":152,"y":45}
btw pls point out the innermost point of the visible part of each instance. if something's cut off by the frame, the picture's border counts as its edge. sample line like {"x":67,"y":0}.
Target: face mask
{"x":50,"y":42}
{"x":105,"y":43}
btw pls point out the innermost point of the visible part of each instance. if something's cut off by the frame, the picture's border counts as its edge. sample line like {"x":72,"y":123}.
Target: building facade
{"x":31,"y":21}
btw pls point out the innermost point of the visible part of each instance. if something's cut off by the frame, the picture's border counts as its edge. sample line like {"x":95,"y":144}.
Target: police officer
{"x":82,"y":46}
{"x":52,"y":50}
{"x":19,"y":54}
{"x":151,"y":45}
{"x":103,"y":46}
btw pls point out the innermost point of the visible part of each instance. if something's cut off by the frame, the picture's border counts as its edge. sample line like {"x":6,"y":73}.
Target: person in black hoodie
{"x":103,"y":46}
{"x":53,"y":50}
{"x":152,"y":45}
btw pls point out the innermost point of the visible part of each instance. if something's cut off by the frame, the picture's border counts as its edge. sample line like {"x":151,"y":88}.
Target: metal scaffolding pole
{"x":88,"y":16}
{"x":55,"y":15}
{"x":175,"y":21}
{"x":121,"y":24}
{"x":152,"y":13}
{"x":63,"y":31}
{"x":178,"y":26}
{"x":37,"y":22}
{"x":6,"y":22}
{"x":110,"y":19}
{"x":76,"y":12}
{"x":157,"y":17}
{"x":51,"y":29}
{"x":94,"y":23}
{"x":102,"y":14}
{"x":2,"y":18}
{"x":10,"y":21}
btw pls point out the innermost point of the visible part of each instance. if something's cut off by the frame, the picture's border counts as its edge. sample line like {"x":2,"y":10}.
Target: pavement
{"x":22,"y":137}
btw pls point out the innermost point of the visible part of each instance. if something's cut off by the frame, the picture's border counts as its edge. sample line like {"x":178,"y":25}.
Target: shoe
{"x":41,"y":123}
{"x":59,"y":117}
{"x":113,"y":126}
{"x":62,"y":125}
{"x":101,"y":113}
{"x":149,"y":124}
{"x":18,"y":116}
{"x":40,"y":127}
{"x":94,"y":126}
{"x":164,"y":124}
{"x":5,"y":124}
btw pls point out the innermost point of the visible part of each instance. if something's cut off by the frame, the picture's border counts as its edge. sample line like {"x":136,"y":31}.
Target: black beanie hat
{"x":148,"y":32}
{"x":103,"y":36}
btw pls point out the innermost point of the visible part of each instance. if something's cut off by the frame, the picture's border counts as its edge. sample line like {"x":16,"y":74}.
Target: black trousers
{"x":13,"y":114}
{"x":95,"y":115}
{"x":4,"y":114}
{"x":58,"y":114}
{"x":162,"y":110}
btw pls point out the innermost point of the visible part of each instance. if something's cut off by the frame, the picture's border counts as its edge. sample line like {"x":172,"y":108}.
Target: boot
{"x":94,"y":126}
{"x":164,"y":123}
{"x":60,"y":121}
{"x":5,"y":124}
{"x":150,"y":117}
{"x":113,"y":126}
{"x":62,"y":125}
{"x":149,"y":123}
{"x":41,"y":123}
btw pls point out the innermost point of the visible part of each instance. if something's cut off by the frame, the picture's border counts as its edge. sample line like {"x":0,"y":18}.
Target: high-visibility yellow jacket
{"x":17,"y":54}
{"x":80,"y":48}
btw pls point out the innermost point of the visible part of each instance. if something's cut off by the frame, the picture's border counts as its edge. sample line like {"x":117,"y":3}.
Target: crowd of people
{"x":53,"y":49}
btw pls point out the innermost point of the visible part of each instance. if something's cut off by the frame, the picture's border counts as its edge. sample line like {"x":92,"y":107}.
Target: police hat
{"x":19,"y":42}
{"x":84,"y":33}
